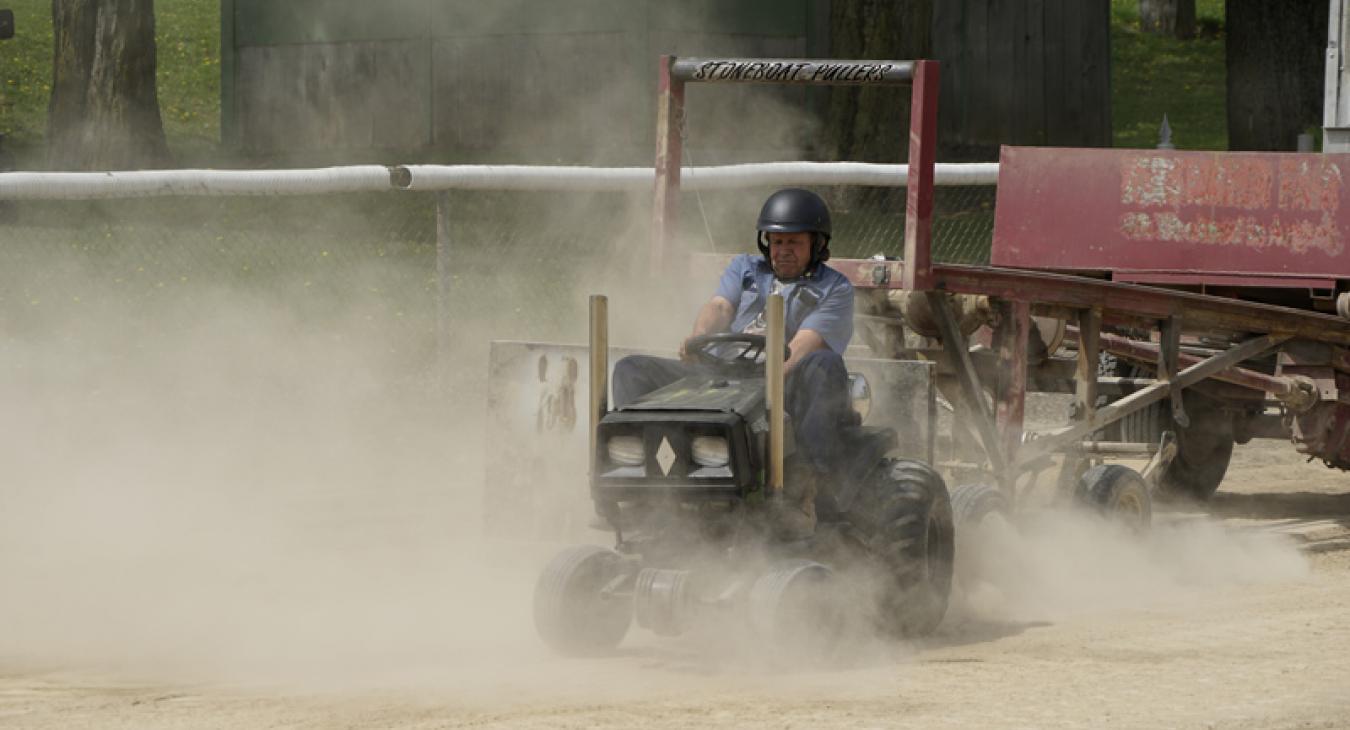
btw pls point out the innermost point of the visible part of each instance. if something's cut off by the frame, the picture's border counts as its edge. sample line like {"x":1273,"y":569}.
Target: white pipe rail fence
{"x":437,"y":178}
{"x":442,"y":179}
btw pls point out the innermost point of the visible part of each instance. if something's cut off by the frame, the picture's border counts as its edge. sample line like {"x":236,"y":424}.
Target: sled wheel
{"x":1117,"y":492}
{"x":571,"y":613}
{"x":972,"y":503}
{"x":794,"y":608}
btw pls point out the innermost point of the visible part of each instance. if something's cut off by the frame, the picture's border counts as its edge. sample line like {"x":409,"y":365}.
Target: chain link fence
{"x":868,"y":221}
{"x":517,"y":267}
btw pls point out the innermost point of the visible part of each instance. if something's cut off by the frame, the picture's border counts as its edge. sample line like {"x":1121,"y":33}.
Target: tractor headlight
{"x":625,"y":450}
{"x":711,"y":451}
{"x":860,"y":393}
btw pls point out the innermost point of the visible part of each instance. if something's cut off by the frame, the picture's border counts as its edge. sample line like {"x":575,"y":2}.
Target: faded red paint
{"x":1200,"y":213}
{"x":919,"y":195}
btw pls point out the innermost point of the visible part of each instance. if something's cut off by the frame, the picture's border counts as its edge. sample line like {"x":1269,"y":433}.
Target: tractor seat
{"x":863,"y":447}
{"x":866,"y":445}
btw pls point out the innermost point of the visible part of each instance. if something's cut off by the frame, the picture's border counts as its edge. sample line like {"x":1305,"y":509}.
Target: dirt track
{"x":1200,"y":627}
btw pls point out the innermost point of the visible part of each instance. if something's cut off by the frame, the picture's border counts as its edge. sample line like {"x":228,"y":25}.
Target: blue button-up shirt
{"x":821,"y":301}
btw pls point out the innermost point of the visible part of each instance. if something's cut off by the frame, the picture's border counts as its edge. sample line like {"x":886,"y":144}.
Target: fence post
{"x":442,"y":288}
{"x":1165,"y":135}
{"x":669,"y":160}
{"x":918,"y":272}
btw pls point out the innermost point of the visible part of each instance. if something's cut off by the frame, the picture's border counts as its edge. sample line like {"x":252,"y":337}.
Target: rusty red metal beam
{"x":674,"y":73}
{"x":1198,"y":312}
{"x":1010,"y":338}
{"x":1147,"y":352}
{"x":1223,"y":280}
{"x":1051,"y":441}
{"x":972,"y":392}
{"x":918,"y":274}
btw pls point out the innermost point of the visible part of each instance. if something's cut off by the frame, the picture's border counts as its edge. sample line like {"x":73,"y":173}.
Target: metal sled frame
{"x":1015,"y":295}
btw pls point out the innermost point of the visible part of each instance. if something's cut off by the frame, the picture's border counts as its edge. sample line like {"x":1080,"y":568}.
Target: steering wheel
{"x":730,"y":349}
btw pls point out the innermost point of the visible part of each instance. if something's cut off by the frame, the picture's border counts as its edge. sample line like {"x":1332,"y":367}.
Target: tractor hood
{"x":743,"y":396}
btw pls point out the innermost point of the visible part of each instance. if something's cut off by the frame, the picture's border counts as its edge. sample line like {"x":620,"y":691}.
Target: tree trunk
{"x":1168,"y":17}
{"x":871,"y":124}
{"x":104,"y":111}
{"x":1275,"y":71}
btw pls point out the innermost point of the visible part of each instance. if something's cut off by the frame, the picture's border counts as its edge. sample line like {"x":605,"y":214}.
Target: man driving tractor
{"x":794,"y":240}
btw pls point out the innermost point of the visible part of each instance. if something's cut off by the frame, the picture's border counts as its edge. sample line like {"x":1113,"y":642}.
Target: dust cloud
{"x":248,"y":492}
{"x":1061,"y":564}
{"x":240,"y":484}
{"x":229,"y":492}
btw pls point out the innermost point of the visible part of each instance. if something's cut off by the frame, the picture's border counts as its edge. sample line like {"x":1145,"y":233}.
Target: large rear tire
{"x":571,"y":613}
{"x":905,"y":521}
{"x":1204,"y":448}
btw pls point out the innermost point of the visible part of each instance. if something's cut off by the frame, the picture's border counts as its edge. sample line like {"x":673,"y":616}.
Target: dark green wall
{"x":573,"y":80}
{"x":529,"y":79}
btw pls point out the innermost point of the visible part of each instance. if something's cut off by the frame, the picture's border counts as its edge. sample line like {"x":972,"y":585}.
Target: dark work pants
{"x":816,"y":391}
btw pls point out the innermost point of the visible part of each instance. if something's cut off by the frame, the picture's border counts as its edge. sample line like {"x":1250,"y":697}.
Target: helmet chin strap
{"x":820,"y":252}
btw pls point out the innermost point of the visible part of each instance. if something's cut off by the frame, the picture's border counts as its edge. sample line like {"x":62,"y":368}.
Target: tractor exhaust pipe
{"x":599,"y":358}
{"x":773,"y":384}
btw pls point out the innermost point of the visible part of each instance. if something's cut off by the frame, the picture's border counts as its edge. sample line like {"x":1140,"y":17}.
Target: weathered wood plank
{"x":742,"y":17}
{"x":1095,"y":20}
{"x":949,"y":30}
{"x":527,"y":17}
{"x":356,"y":95}
{"x":268,"y":22}
{"x":1057,"y":127}
{"x":1032,"y":70}
{"x":523,"y":91}
{"x":1003,"y":105}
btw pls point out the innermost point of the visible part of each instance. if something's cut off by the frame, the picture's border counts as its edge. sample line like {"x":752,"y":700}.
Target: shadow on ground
{"x":1280,"y":506}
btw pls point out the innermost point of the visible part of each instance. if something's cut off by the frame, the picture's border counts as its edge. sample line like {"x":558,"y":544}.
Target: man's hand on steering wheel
{"x":726,"y":349}
{"x":685,"y":354}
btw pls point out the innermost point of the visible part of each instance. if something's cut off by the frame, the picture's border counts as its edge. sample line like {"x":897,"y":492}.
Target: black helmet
{"x":793,"y":210}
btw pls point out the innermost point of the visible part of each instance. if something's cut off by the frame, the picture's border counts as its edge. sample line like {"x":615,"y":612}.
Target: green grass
{"x":187,"y":37}
{"x":1153,"y":75}
{"x":26,"y":74}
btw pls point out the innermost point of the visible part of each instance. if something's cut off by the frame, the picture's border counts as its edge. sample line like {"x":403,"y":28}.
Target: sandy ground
{"x":1203,"y":624}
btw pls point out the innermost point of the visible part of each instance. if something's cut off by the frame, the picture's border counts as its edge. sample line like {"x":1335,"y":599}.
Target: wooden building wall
{"x":1029,"y":72}
{"x":565,"y":79}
